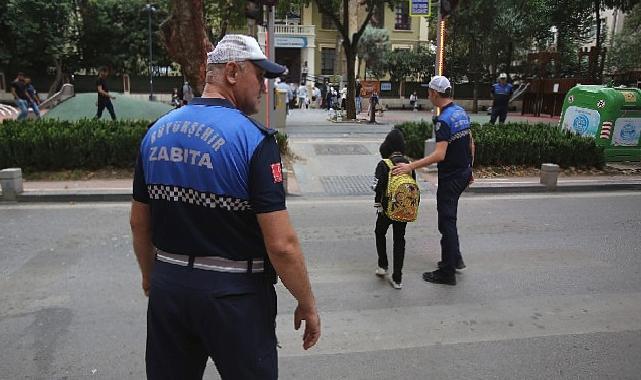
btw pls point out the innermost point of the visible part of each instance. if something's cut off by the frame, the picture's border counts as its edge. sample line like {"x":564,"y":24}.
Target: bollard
{"x":11,"y":182}
{"x":430,"y":145}
{"x":550,"y":175}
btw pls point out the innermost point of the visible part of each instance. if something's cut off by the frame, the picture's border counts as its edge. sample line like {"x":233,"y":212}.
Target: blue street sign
{"x":420,"y":8}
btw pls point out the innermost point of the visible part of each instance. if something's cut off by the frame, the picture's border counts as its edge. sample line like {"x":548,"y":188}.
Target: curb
{"x":561,"y":188}
{"x":66,"y":196}
{"x":119,"y":196}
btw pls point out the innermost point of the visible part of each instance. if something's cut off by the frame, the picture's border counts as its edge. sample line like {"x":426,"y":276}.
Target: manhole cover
{"x":352,"y":185}
{"x":341,"y":150}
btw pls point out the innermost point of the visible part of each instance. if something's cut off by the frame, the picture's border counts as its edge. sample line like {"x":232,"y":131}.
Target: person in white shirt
{"x":414,"y":101}
{"x":302,"y":95}
{"x":316,"y":96}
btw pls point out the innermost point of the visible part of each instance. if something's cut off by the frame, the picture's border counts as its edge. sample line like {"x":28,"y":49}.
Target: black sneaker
{"x":437,"y":277}
{"x":459,"y":265}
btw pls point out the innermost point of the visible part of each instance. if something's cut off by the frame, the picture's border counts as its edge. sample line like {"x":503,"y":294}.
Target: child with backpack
{"x":396,"y":200}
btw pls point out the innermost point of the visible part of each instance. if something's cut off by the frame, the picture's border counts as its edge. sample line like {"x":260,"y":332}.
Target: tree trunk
{"x":350,"y":55}
{"x":596,"y":64}
{"x":184,"y":37}
{"x":58,"y":81}
{"x":475,"y":97}
{"x":510,"y":53}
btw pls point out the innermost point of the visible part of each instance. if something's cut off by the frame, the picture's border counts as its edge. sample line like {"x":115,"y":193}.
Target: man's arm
{"x":140,"y":221}
{"x":437,"y":156}
{"x":473,"y":152}
{"x":287,"y":258}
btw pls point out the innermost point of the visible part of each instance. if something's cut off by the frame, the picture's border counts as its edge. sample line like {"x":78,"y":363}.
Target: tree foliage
{"x":626,"y":51}
{"x":37,"y":34}
{"x":115,"y":33}
{"x":372,"y":49}
{"x":66,"y":35}
{"x":403,"y":64}
{"x":339,"y":12}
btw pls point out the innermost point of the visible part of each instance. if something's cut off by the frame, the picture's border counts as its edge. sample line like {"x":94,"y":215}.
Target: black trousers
{"x":398,"y":228}
{"x":109,"y":106}
{"x":194,"y":314}
{"x":447,"y":196}
{"x":500,"y":112}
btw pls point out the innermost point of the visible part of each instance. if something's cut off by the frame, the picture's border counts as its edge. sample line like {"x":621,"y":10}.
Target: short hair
{"x":213,"y":70}
{"x":20,"y":74}
{"x":446,"y":94}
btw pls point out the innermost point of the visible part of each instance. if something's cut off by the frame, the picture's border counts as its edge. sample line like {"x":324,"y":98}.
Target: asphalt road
{"x":552,"y":291}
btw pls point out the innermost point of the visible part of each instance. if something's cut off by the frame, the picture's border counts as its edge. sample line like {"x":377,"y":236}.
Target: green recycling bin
{"x":612,"y":115}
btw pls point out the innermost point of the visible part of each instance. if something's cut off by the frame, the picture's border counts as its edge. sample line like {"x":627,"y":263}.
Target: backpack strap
{"x":389,"y":163}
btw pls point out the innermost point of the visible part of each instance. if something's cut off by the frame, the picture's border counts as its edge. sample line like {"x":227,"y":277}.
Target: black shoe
{"x":437,"y":277}
{"x":460,"y":265}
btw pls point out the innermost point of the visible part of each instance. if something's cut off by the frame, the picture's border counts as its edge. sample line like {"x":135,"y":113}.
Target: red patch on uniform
{"x":277,"y":173}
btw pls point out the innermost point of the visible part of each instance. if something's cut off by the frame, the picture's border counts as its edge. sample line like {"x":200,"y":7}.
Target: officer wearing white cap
{"x":454,"y":154}
{"x":211,"y":230}
{"x":501,"y":94}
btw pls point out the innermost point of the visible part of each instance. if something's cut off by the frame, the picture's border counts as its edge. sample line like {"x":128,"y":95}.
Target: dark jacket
{"x":393,"y":147}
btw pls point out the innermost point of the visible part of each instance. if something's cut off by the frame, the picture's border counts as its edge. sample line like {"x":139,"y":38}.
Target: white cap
{"x":503,"y":76}
{"x":440,"y":84}
{"x":238,"y":48}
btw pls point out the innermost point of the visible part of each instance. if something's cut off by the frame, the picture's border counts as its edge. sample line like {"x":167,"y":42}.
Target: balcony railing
{"x":303,"y":30}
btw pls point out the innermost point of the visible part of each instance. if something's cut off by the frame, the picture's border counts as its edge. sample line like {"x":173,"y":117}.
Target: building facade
{"x":311,"y":47}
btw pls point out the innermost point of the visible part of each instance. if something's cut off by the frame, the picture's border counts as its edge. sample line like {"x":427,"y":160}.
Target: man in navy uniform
{"x":211,"y":230}
{"x":501,"y":94}
{"x":454,"y":153}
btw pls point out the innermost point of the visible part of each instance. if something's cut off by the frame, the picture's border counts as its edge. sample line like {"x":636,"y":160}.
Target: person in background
{"x":188,"y":93}
{"x":19,"y":92}
{"x":302,"y":95}
{"x":175,"y":101}
{"x":501,"y":94}
{"x":288,"y":92}
{"x":34,"y":99}
{"x":104,"y":97}
{"x":414,"y":101}
{"x":358,"y":97}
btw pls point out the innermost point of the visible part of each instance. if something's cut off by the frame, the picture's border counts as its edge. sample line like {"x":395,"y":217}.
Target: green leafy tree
{"x":626,"y":51}
{"x":404,"y":64}
{"x":115,"y":33}
{"x":224,"y":15}
{"x":600,"y":36}
{"x":373,"y":46}
{"x":339,"y":12}
{"x":401,"y":65}
{"x":38,"y":35}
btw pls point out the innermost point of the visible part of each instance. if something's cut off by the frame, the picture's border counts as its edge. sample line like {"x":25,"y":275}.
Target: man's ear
{"x":231,"y":72}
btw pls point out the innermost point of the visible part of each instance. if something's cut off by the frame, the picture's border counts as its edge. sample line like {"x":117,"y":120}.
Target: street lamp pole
{"x":150,"y":9}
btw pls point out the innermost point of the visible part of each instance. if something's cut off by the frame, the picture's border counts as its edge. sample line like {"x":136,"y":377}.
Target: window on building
{"x":327,"y":22}
{"x":378,"y":17}
{"x":403,"y":20}
{"x":328,"y":56}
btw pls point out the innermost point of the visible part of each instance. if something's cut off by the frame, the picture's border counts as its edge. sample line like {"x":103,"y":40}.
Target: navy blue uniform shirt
{"x":206,"y":170}
{"x":502,"y":94}
{"x":453,"y":126}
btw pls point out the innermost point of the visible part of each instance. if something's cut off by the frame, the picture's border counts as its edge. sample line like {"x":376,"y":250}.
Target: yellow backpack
{"x":403,"y":196}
